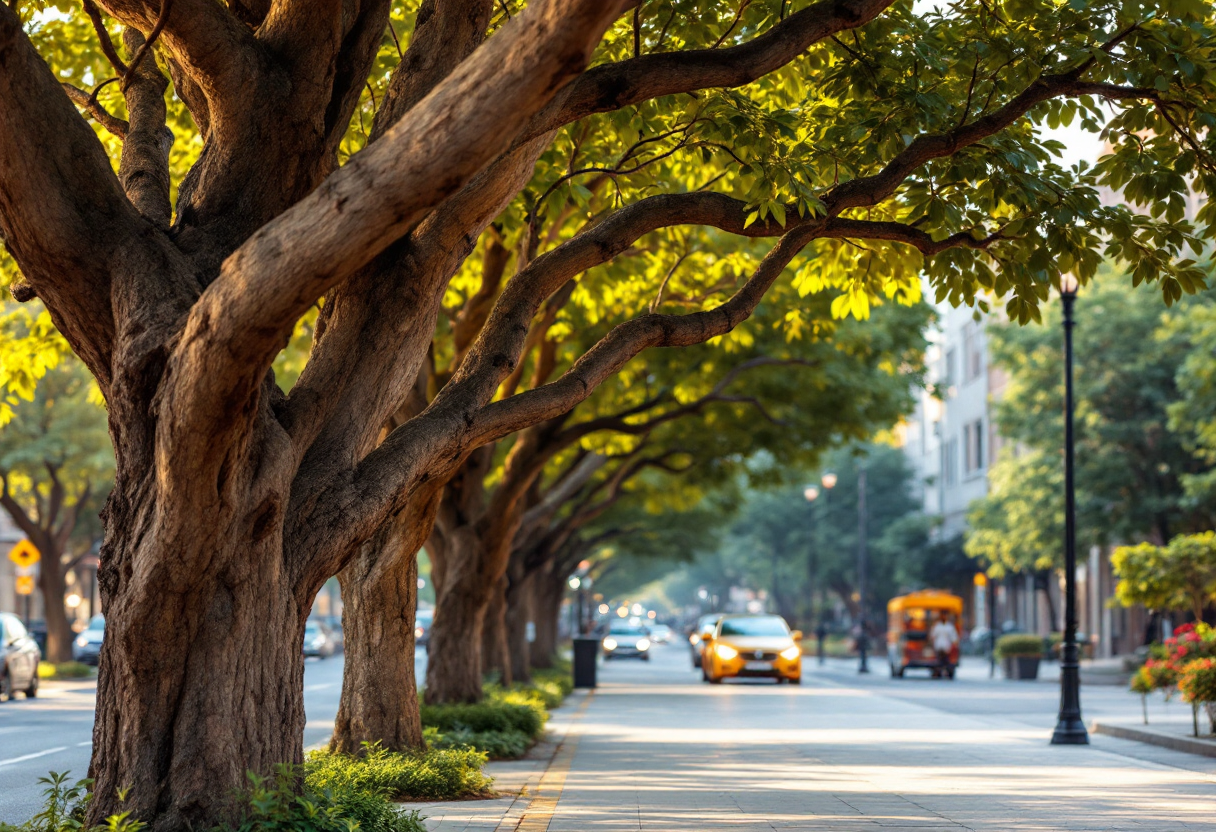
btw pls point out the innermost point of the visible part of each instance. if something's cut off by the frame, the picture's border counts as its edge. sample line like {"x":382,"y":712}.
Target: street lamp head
{"x":1069,"y":285}
{"x":575,"y":583}
{"x":828,"y":480}
{"x":811,"y":492}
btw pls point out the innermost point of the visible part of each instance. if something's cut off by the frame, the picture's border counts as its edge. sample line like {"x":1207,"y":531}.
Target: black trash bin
{"x":586,"y":652}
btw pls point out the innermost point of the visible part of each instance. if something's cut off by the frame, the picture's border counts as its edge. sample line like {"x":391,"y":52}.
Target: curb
{"x":1175,"y":742}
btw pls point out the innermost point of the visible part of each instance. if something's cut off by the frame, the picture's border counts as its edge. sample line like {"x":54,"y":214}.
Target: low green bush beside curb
{"x":506,"y":723}
{"x":64,"y":670}
{"x":1019,"y":644}
{"x":437,"y":774}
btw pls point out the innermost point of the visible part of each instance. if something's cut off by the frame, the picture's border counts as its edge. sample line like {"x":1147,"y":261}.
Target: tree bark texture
{"x":518,"y":615}
{"x":495,"y":658}
{"x":379,"y":702}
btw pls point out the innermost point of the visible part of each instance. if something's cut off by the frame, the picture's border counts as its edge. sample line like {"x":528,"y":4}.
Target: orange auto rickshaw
{"x":909,"y":620}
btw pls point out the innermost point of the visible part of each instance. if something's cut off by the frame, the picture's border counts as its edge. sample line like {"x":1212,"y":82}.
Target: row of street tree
{"x":360,"y":277}
{"x":1145,"y":453}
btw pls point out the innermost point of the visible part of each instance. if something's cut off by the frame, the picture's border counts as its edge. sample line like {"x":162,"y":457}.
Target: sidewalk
{"x":656,"y":750}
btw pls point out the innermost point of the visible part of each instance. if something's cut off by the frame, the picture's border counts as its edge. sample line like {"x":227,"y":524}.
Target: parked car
{"x":660,"y":633}
{"x":19,"y":657}
{"x":422,"y":627}
{"x":86,"y":648}
{"x":334,"y":623}
{"x":317,"y":640}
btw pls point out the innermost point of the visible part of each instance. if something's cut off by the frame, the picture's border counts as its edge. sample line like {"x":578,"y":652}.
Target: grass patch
{"x":64,"y":670}
{"x":444,"y":773}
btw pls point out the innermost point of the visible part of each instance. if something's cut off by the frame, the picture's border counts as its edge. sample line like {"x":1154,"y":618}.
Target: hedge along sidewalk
{"x":521,"y":782}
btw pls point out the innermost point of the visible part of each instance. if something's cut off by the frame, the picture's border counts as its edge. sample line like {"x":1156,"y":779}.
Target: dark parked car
{"x":19,"y":657}
{"x":705,"y":625}
{"x":422,"y":627}
{"x":317,"y":640}
{"x":86,"y":647}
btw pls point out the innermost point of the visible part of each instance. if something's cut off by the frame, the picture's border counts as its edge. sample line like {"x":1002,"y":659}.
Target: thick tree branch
{"x":217,"y":51}
{"x":612,"y":86}
{"x":245,"y":317}
{"x":144,"y":168}
{"x":62,"y":211}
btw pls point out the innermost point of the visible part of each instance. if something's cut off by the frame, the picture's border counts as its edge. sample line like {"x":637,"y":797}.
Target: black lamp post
{"x":1070,"y":730}
{"x":863,"y":636}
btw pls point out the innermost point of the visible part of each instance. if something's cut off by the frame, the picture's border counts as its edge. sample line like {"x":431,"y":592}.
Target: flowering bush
{"x":1198,"y":681}
{"x":1166,"y":661}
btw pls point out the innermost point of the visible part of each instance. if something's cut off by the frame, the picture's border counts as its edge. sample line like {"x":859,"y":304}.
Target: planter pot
{"x":1024,"y":668}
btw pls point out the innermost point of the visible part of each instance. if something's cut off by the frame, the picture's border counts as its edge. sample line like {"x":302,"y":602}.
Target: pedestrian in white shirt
{"x":943,"y":637}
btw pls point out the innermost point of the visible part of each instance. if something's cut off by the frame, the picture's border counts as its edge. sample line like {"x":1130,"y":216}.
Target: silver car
{"x":19,"y":657}
{"x":86,"y":647}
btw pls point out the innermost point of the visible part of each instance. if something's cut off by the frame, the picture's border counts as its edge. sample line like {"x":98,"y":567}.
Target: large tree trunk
{"x":379,"y":690}
{"x":518,"y":614}
{"x":51,"y":583}
{"x":201,"y":675}
{"x":495,"y":657}
{"x":547,"y":605}
{"x":453,"y":666}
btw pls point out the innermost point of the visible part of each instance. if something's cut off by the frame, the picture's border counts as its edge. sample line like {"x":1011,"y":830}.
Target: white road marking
{"x":33,"y":756}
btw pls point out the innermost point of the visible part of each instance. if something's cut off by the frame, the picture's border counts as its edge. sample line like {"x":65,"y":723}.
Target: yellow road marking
{"x":537,"y":816}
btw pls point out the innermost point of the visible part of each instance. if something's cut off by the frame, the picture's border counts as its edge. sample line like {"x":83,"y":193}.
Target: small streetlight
{"x":73,"y":600}
{"x":604,"y":609}
{"x":828,"y":480}
{"x":811,"y":492}
{"x":575,"y":583}
{"x":1070,"y":730}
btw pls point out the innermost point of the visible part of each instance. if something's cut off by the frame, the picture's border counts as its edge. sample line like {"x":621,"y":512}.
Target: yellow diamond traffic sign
{"x":25,"y":584}
{"x":24,"y":554}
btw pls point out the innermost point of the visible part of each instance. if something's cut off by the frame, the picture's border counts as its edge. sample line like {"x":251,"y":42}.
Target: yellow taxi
{"x":751,"y":646}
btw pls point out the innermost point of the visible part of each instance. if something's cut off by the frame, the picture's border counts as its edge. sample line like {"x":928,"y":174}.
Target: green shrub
{"x":276,"y":804}
{"x":497,"y":745}
{"x":1019,"y":644}
{"x":64,"y":670}
{"x":446,"y":773}
{"x":501,"y":711}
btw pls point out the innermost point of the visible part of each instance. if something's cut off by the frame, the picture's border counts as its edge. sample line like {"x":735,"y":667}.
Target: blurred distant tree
{"x":1178,"y":576}
{"x":56,"y":468}
{"x":1135,"y":364}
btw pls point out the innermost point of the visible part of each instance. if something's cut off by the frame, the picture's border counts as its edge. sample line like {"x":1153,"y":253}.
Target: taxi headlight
{"x":694,"y":638}
{"x":644,"y":644}
{"x":610,"y":644}
{"x":791,"y":653}
{"x":725,"y":651}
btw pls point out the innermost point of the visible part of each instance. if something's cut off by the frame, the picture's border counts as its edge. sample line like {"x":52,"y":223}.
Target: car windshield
{"x":311,"y":629}
{"x":627,"y":631}
{"x":766,"y":626}
{"x":98,"y":623}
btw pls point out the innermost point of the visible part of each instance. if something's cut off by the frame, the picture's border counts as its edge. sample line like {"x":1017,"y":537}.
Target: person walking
{"x":943,"y":637}
{"x":821,"y":633}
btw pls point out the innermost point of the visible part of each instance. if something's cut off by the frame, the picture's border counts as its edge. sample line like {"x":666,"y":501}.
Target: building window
{"x":949,"y":460}
{"x":973,"y":446}
{"x":973,"y":352}
{"x":948,"y":368}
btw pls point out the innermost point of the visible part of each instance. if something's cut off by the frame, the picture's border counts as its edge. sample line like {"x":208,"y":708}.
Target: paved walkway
{"x":653,"y":749}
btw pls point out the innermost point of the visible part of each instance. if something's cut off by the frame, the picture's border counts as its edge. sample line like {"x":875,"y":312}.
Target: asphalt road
{"x":54,"y":732}
{"x":655,"y":749}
